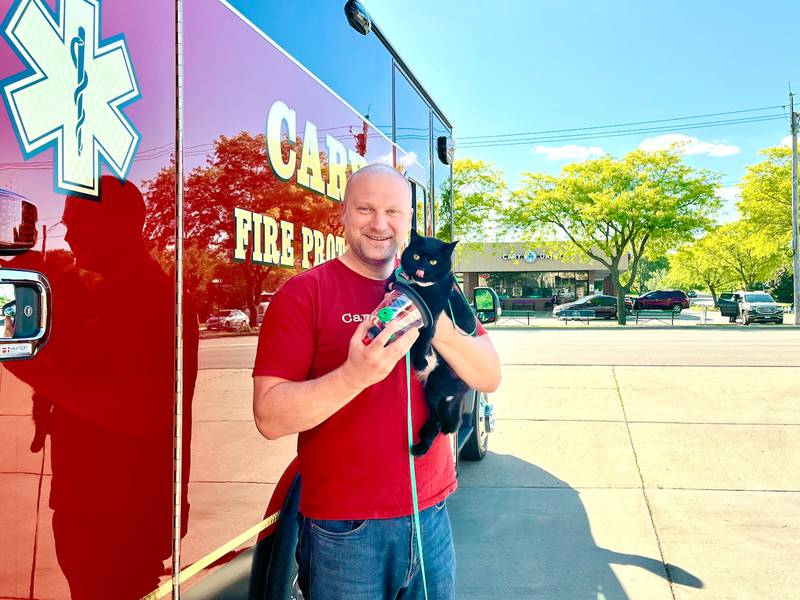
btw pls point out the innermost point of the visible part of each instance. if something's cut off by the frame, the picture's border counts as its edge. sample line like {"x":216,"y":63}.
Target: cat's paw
{"x":419,"y":363}
{"x":420,"y":449}
{"x":425,"y":366}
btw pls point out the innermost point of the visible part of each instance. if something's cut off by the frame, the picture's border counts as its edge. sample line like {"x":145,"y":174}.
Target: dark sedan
{"x":603,"y":306}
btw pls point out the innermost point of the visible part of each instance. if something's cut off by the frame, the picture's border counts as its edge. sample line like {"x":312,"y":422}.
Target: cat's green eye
{"x":433,"y":261}
{"x":416,"y":257}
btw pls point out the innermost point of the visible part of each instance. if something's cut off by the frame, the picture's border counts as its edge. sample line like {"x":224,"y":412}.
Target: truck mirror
{"x":18,"y":219}
{"x":486,"y":304}
{"x":445,"y":149}
{"x":25,"y":319}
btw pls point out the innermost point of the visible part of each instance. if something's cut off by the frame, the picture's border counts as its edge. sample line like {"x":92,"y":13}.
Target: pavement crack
{"x":643,"y":487}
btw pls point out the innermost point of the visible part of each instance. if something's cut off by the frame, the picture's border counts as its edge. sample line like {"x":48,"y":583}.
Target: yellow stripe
{"x":208,"y":559}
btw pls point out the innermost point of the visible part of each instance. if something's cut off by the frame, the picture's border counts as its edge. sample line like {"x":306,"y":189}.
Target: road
{"x":580,"y":345}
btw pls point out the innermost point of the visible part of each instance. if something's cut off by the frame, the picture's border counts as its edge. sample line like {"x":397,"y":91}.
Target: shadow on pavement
{"x":530,"y":537}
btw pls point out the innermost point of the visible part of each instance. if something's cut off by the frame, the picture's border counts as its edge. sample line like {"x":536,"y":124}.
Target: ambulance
{"x":160,"y":161}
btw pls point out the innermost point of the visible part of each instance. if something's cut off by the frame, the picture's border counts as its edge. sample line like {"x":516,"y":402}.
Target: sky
{"x":531,"y":66}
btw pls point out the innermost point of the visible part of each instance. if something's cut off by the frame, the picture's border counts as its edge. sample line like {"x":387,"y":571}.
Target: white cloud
{"x":688,"y":145}
{"x":787,"y":141}
{"x":569,"y":152}
{"x":730,"y":195}
{"x":406,"y":160}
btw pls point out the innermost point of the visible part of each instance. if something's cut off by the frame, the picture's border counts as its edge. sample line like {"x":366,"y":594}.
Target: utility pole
{"x":795,"y":119}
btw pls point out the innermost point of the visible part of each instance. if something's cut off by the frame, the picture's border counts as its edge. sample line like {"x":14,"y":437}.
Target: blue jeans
{"x":376,"y":559}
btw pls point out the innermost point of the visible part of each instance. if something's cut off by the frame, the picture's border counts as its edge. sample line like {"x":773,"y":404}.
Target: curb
{"x":211,"y":335}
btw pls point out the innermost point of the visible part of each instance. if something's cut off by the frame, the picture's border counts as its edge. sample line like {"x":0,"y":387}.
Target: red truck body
{"x":130,"y":466}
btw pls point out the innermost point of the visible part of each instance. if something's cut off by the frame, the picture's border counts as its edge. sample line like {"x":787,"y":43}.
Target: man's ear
{"x":451,"y":246}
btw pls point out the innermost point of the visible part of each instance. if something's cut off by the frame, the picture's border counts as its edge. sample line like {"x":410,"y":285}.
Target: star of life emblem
{"x":72,"y":95}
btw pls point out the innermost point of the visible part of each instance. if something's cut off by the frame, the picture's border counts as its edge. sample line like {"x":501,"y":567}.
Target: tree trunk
{"x":713,"y":295}
{"x":253,"y":283}
{"x":620,"y":294}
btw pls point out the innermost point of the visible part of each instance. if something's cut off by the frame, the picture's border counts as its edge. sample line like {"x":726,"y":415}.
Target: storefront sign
{"x":531,"y":256}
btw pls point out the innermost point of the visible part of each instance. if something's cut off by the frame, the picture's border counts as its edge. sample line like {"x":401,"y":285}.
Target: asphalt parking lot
{"x":636,"y":464}
{"x":627,"y":463}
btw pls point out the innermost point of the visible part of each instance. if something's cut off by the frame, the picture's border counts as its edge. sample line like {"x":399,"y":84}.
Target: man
{"x":313,"y":375}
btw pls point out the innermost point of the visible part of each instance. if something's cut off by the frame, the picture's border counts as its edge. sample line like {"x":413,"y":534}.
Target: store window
{"x":538,"y":291}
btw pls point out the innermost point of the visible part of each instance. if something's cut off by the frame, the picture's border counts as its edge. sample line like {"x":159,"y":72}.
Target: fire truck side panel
{"x":86,"y":424}
{"x":282,"y":102}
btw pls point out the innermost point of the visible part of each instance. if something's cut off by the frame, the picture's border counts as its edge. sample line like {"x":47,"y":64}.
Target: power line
{"x":577,"y":137}
{"x":548,"y":131}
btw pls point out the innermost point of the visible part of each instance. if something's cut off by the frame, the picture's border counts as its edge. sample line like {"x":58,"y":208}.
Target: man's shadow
{"x":534,"y":543}
{"x":103,"y":392}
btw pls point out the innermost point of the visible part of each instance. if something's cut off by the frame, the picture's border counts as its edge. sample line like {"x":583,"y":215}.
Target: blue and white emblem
{"x":72,"y":94}
{"x":531,"y":256}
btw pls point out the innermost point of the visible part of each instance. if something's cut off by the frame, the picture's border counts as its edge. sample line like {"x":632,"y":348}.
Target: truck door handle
{"x":26,"y":313}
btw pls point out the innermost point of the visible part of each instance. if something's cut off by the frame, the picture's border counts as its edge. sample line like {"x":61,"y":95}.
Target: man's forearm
{"x":290,"y":407}
{"x":474,"y":359}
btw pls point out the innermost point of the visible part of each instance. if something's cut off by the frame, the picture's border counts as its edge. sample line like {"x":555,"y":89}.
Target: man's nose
{"x":379,"y":221}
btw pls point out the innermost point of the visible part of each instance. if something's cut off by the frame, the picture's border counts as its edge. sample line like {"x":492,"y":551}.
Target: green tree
{"x":751,"y":255}
{"x":767,"y":194}
{"x":781,"y":286}
{"x":609,"y":208}
{"x":479,"y":192}
{"x":700,"y":265}
{"x":651,"y":272}
{"x":236,"y":174}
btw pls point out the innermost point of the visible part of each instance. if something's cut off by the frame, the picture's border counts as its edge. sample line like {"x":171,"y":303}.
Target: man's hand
{"x":367,"y":365}
{"x":282,"y":407}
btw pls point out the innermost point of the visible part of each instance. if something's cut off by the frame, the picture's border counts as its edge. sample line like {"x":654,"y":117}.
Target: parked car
{"x":266,"y":298}
{"x":750,"y":307}
{"x":674,"y":300}
{"x":691,"y":294}
{"x":228,"y":319}
{"x":603,"y":306}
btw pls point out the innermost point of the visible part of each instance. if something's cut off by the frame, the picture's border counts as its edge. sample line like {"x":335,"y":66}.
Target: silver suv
{"x":751,"y":307}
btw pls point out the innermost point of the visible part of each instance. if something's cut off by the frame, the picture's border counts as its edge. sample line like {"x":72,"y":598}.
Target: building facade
{"x":527,"y":277}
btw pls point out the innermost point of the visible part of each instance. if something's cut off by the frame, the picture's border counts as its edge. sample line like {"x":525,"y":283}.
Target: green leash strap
{"x":453,"y":317}
{"x":399,"y":273}
{"x":414,"y":477}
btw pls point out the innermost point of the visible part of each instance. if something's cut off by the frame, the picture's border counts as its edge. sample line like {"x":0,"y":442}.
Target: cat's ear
{"x":451,"y":246}
{"x":414,"y":235}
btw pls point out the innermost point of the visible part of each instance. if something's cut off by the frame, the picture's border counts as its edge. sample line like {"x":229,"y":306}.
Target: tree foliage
{"x":651,"y":272}
{"x":236,"y":175}
{"x":700,"y":265}
{"x":609,"y":208}
{"x":767,"y":194}
{"x":479,"y":191}
{"x":750,"y":254}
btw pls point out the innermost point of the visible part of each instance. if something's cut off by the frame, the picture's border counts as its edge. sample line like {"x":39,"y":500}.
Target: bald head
{"x":376,"y":215}
{"x":375,"y":170}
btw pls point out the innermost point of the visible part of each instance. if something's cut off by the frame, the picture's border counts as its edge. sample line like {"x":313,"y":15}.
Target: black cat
{"x":427,"y":266}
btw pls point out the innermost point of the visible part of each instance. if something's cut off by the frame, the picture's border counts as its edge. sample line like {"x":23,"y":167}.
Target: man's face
{"x":376,"y":216}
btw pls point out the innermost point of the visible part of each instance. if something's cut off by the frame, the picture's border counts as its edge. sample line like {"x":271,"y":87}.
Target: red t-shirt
{"x":354,"y":465}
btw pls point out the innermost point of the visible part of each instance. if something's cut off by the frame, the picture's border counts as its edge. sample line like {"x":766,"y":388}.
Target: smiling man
{"x":314,"y":376}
